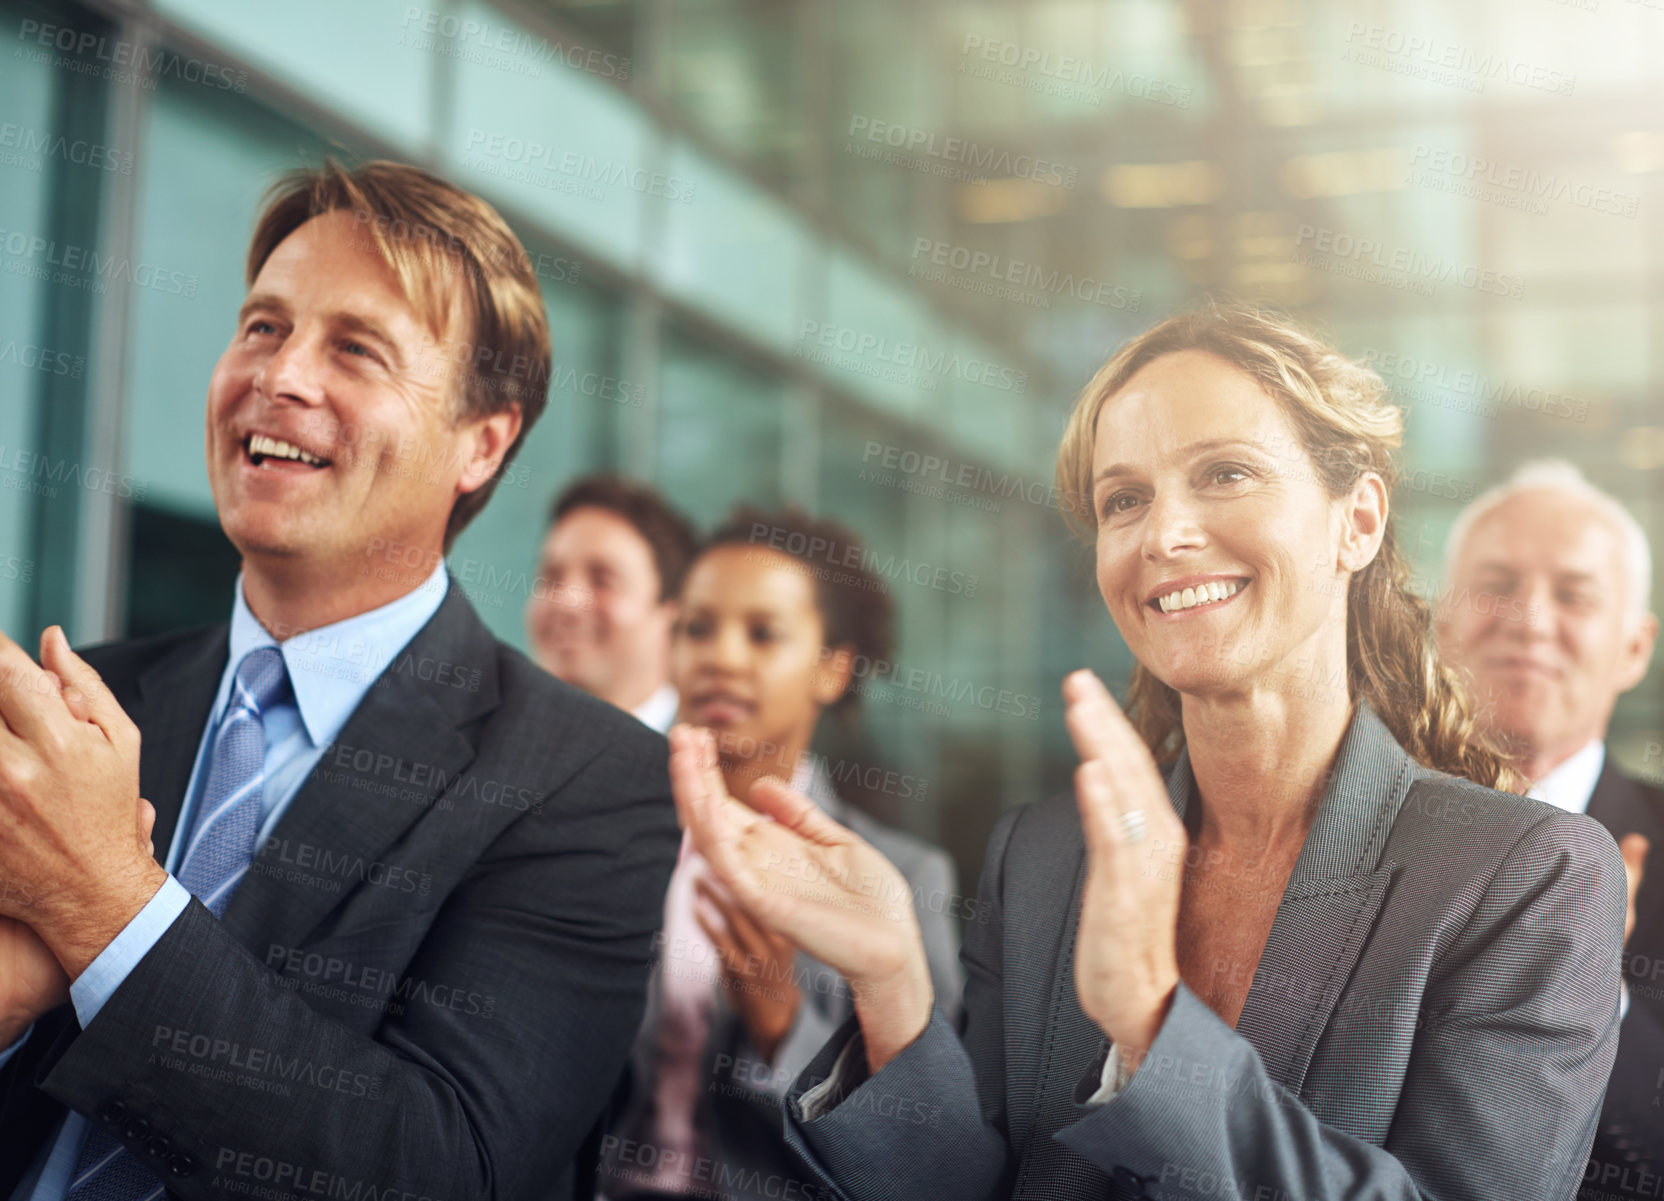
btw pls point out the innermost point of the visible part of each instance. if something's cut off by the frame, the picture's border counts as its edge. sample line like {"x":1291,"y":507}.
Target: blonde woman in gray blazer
{"x":1319,"y":954}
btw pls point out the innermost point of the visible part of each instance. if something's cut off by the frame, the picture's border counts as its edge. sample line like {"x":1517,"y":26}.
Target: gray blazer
{"x":738,"y":1120}
{"x":1434,"y":1016}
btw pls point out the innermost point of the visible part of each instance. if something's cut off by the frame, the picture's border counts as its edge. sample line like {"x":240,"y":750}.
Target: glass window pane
{"x":495,"y":558}
{"x":27,"y":90}
{"x":231,"y":151}
{"x":720,"y":428}
{"x":376,"y":62}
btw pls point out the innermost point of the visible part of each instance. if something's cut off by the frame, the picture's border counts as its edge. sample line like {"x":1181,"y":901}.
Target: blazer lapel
{"x":175,"y":696}
{"x":397,"y":753}
{"x":1626,"y":806}
{"x":1330,"y":904}
{"x":1618,"y":804}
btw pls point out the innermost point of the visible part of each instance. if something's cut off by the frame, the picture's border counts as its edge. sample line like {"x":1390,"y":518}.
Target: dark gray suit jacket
{"x":1628,"y":1155}
{"x":1434,"y":1016}
{"x":429,"y":979}
{"x":738,"y":1119}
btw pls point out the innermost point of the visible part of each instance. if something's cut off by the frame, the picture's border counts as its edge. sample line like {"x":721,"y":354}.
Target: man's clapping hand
{"x":76,"y":861}
{"x":1634,"y":848}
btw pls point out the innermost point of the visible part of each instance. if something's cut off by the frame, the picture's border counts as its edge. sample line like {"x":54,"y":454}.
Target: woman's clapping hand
{"x":1126,"y":957}
{"x":799,"y":874}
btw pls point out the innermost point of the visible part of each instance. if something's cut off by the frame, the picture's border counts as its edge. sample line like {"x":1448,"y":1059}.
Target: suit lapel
{"x":175,"y":696}
{"x":1626,"y":806}
{"x":1618,"y":804}
{"x":1320,"y":930}
{"x":1330,"y":904}
{"x":400,"y":750}
{"x":1331,"y":901}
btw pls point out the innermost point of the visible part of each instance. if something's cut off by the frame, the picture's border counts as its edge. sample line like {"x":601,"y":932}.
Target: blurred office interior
{"x":856,"y":255}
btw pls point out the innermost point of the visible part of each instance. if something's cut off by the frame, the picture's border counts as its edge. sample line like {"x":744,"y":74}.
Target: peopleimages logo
{"x":1378,"y":46}
{"x":146,"y":63}
{"x":1062,"y":75}
{"x":991,"y":160}
{"x":42,"y":358}
{"x":45,"y":144}
{"x":1491,"y":393}
{"x":531,"y":157}
{"x":909,"y":356}
{"x":82,"y":266}
{"x":429,"y":29}
{"x":1484,"y":178}
{"x":980,"y":270}
{"x":856,"y":560}
{"x":1313,"y":240}
{"x":22,"y":464}
{"x":934,"y":469}
{"x":932,"y":691}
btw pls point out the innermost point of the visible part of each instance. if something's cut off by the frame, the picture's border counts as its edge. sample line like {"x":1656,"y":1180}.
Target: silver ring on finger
{"x":1133,"y":826}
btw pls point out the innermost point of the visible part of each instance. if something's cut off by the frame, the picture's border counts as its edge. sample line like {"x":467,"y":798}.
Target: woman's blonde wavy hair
{"x":1347,"y":426}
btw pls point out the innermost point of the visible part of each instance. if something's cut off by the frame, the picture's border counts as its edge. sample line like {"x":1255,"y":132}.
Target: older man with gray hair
{"x":1546,"y":605}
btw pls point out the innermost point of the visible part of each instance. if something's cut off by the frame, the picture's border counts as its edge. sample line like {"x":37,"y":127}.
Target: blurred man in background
{"x":612,"y":565}
{"x":1547,"y":584}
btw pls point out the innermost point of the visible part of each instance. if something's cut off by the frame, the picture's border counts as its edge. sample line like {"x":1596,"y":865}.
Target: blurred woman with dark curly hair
{"x":778,"y":610}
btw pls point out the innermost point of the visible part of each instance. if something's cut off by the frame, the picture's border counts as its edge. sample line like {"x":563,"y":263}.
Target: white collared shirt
{"x":1570,"y":785}
{"x":658,"y":711}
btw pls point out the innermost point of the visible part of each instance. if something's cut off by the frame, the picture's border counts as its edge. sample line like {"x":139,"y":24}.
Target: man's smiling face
{"x":331,"y":418}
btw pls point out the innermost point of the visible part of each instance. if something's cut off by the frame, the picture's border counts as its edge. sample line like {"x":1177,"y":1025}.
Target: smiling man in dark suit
{"x":392,"y":938}
{"x":1546,"y":600}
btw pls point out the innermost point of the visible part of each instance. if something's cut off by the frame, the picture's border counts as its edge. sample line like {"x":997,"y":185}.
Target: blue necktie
{"x":215,"y":861}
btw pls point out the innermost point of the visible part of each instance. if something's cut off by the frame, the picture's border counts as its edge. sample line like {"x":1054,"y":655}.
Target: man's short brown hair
{"x":436,"y":238}
{"x":667,"y":533}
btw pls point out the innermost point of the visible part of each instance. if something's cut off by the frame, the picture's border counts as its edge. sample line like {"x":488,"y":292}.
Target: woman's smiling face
{"x":1217,"y":542}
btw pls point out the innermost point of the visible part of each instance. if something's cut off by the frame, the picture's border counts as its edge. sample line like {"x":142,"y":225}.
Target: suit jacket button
{"x":136,"y":1129}
{"x":112,"y":1113}
{"x":181,"y":1166}
{"x":1132,"y":1181}
{"x":157,"y":1146}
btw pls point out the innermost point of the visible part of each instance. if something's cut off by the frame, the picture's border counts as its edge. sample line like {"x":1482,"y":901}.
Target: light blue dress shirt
{"x":330,"y":670}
